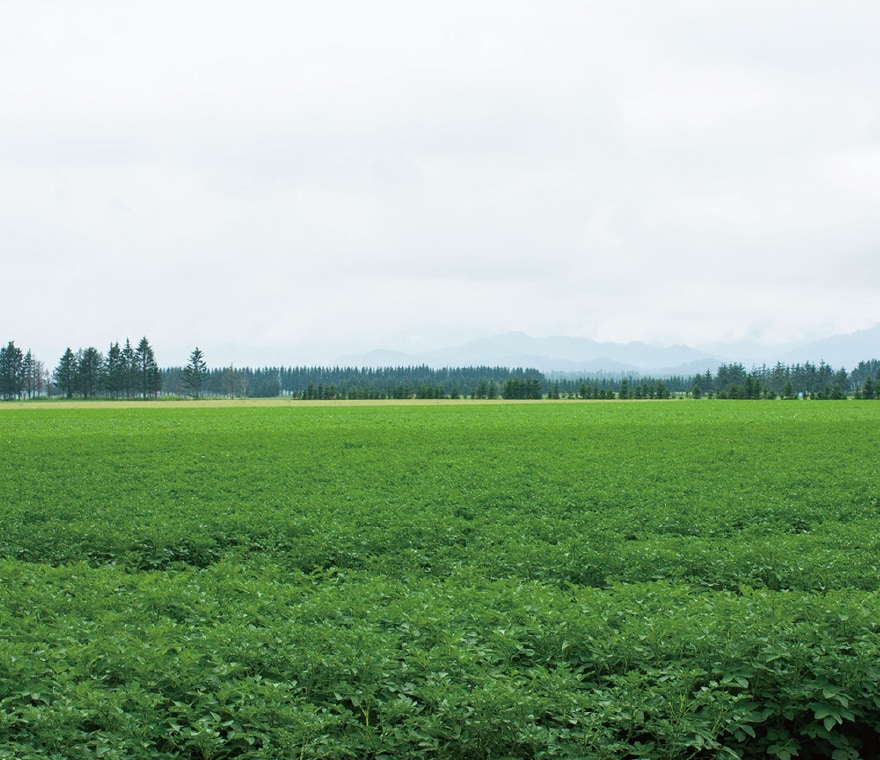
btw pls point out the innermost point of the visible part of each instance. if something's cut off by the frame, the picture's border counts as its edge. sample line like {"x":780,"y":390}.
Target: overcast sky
{"x":287,"y":182}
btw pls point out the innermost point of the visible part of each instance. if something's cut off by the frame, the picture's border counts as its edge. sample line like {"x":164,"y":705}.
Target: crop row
{"x":587,"y":495}
{"x":553,"y":580}
{"x":228,"y":663}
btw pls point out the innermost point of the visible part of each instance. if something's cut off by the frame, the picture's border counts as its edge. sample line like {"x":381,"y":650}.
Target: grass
{"x":241,"y":579}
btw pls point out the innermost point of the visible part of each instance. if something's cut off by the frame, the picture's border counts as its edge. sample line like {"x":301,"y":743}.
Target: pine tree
{"x":65,"y":373}
{"x":128,"y":371}
{"x":114,"y":370}
{"x":34,"y":376}
{"x":27,"y":375}
{"x":90,"y":372}
{"x":149,"y":379}
{"x":195,"y":373}
{"x":11,"y":375}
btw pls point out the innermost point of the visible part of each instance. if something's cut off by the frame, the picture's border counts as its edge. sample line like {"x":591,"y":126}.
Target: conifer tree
{"x":90,"y":372}
{"x":65,"y":373}
{"x":11,"y":375}
{"x":33,"y":375}
{"x":195,"y":373}
{"x":128,"y":371}
{"x":114,"y":370}
{"x":149,"y":378}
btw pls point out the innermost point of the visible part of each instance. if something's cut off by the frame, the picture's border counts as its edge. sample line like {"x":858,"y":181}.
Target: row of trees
{"x":21,"y":374}
{"x":787,"y":381}
{"x":123,"y":372}
{"x":328,"y":383}
{"x":731,"y":381}
{"x":127,"y":371}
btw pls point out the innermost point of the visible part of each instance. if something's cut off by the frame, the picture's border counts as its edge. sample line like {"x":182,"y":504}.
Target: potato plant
{"x":618,"y":580}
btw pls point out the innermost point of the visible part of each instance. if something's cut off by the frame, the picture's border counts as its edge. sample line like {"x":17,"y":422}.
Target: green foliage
{"x":123,"y":373}
{"x":146,"y":370}
{"x":65,"y":374}
{"x":523,"y":388}
{"x":12,"y":371}
{"x":195,"y":373}
{"x":531,"y":580}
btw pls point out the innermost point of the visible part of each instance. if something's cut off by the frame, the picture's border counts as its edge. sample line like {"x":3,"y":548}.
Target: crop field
{"x":680,"y":579}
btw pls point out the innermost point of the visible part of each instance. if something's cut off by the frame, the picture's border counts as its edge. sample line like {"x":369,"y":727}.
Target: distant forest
{"x":131,"y":371}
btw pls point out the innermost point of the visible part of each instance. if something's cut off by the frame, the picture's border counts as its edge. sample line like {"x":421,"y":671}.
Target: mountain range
{"x":572,"y":354}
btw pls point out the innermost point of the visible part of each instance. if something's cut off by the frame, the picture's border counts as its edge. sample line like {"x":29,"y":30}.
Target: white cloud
{"x":359,"y":175}
{"x":856,"y":170}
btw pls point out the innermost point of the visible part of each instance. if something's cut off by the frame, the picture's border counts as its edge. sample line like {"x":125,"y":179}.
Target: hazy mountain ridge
{"x":552,"y":354}
{"x":572,"y":354}
{"x":840,"y":350}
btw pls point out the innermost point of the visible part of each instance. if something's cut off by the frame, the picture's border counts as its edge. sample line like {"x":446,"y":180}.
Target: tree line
{"x":123,"y":372}
{"x":318,"y":383}
{"x":127,"y":371}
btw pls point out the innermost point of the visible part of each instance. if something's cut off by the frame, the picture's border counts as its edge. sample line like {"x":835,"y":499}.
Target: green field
{"x":481,"y":580}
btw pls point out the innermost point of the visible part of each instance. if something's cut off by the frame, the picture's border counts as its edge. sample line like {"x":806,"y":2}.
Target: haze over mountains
{"x":572,"y":354}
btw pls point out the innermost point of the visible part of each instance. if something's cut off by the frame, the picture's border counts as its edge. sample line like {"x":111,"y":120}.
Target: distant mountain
{"x":560,"y":354}
{"x":380,"y":358}
{"x":572,"y":354}
{"x":839,"y":350}
{"x":843,"y":350}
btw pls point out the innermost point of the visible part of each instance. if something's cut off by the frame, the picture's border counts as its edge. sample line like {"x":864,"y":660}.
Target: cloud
{"x":394,"y":172}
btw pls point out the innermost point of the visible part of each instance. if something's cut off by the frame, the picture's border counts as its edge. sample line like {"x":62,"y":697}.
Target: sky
{"x":289,"y":182}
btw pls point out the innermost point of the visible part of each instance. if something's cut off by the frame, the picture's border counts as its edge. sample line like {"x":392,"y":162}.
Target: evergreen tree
{"x":513,"y":389}
{"x":90,"y":365}
{"x":11,"y":375}
{"x":115,"y":371}
{"x":128,"y":371}
{"x":149,"y":379}
{"x":27,"y":375}
{"x":195,"y":373}
{"x":34,"y":376}
{"x":65,"y":373}
{"x":235,"y":383}
{"x":267,"y":384}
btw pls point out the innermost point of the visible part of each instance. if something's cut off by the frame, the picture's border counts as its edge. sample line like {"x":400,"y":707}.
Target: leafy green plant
{"x":547,"y":580}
